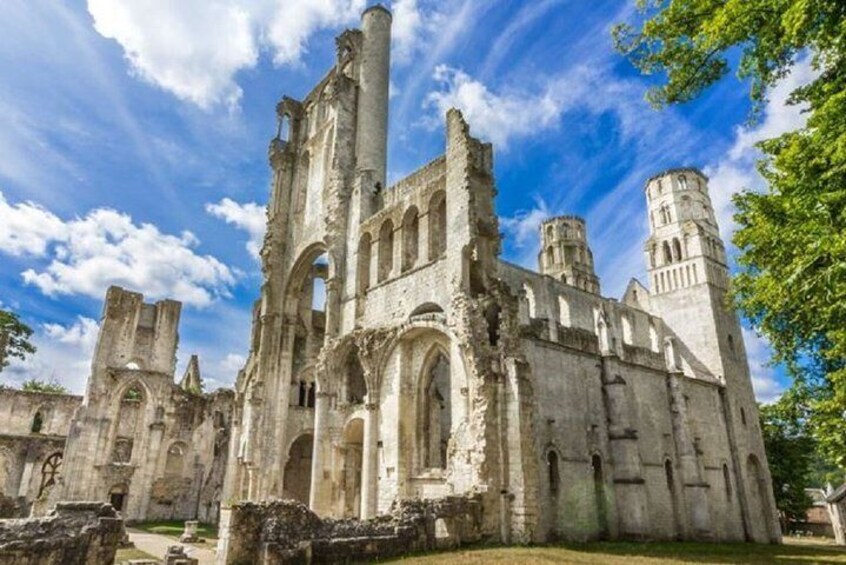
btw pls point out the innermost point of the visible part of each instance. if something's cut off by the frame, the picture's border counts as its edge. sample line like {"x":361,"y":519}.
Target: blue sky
{"x":133,"y":143}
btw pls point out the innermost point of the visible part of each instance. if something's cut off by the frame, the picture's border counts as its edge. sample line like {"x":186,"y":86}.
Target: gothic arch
{"x":410,"y":238}
{"x":435,"y":408}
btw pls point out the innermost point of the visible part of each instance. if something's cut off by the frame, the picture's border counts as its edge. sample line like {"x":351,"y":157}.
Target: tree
{"x":791,"y":454}
{"x":14,"y":338}
{"x":48,"y":387}
{"x":792,"y":238}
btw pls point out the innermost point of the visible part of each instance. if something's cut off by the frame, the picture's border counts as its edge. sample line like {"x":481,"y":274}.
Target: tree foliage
{"x":14,"y":338}
{"x":48,"y":387}
{"x":792,"y":241}
{"x":791,"y":454}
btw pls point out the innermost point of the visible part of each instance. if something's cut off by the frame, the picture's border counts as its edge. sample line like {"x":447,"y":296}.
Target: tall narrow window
{"x":683,"y":182}
{"x":554,"y":477}
{"x":564,"y":311}
{"x":727,"y":481}
{"x":436,"y":412}
{"x":364,"y":263}
{"x":530,"y":300}
{"x":677,"y":253}
{"x":628,"y":333}
{"x":653,"y":336}
{"x":437,"y":225}
{"x":599,"y":496}
{"x":174,"y":461}
{"x":37,"y":423}
{"x":668,"y":255}
{"x":410,"y":236}
{"x":386,"y":250}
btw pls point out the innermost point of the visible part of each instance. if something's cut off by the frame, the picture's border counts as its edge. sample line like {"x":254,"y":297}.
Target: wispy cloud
{"x":194,"y":48}
{"x":105,"y":247}
{"x":250,"y":217}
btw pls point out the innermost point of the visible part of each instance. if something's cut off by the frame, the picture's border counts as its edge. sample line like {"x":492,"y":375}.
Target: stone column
{"x":370,"y":462}
{"x":320,"y":487}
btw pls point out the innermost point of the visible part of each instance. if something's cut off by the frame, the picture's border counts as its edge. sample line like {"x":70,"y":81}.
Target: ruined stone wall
{"x":80,"y":533}
{"x":18,"y":410}
{"x":283,"y":532}
{"x":154,"y":449}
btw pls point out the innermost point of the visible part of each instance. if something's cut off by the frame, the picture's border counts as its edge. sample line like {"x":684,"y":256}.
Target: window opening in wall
{"x":731,"y":346}
{"x":668,"y":255}
{"x":436,"y":412}
{"x":677,"y":253}
{"x":530,"y":300}
{"x":356,"y":384}
{"x":37,"y":423}
{"x":410,"y":238}
{"x":683,"y":182}
{"x":386,"y":250}
{"x":174,"y":461}
{"x":628,"y":336}
{"x":364,"y":263}
{"x":283,"y":127}
{"x":492,"y":313}
{"x":552,"y":469}
{"x":564,"y":312}
{"x":599,"y":496}
{"x":727,"y":481}
{"x":437,"y":225}
{"x":743,"y":416}
{"x":50,"y":472}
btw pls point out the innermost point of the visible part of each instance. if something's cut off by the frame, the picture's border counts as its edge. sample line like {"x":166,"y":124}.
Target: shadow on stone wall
{"x":288,"y":532}
{"x":74,"y":533}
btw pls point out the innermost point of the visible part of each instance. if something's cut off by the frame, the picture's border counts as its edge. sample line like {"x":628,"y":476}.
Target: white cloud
{"x":764,"y":382}
{"x":63,"y":355}
{"x":250,"y":217}
{"x":233,"y":363}
{"x":194,"y":48}
{"x":406,"y":29}
{"x":735,"y":170}
{"x":87,"y":255}
{"x":495,"y":117}
{"x":27,"y":228}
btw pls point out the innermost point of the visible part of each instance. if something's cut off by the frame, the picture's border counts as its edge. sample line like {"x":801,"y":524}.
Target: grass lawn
{"x":125,"y":554}
{"x":621,"y":553}
{"x":174,"y":529}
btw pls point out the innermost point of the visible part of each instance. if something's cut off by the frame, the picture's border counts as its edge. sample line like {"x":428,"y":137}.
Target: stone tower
{"x":565,"y":254}
{"x":688,"y":278}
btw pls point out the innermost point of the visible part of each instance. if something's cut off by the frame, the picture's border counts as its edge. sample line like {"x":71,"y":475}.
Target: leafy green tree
{"x":792,"y":238}
{"x":791,"y":454}
{"x":49,"y":387}
{"x":14,"y":338}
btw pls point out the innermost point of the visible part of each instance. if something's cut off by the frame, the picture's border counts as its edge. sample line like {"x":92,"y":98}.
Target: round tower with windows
{"x":565,"y":254}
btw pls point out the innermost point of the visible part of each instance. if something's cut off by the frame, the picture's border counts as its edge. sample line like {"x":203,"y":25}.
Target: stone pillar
{"x":333,"y":306}
{"x":320,"y":487}
{"x":370,"y":462}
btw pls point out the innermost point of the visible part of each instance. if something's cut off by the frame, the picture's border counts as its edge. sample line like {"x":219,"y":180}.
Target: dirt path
{"x":157,"y":545}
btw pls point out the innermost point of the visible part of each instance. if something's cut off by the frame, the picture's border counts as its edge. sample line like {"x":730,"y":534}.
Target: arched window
{"x":37,"y":423}
{"x":386,"y":250}
{"x":552,"y":469}
{"x":653,"y":251}
{"x":677,"y":253}
{"x":175,"y":457}
{"x":437,"y":225}
{"x":530,"y":300}
{"x":660,"y":186}
{"x":550,"y":256}
{"x":410,"y":237}
{"x":364,"y":263}
{"x":683,"y":182}
{"x":50,"y":472}
{"x":668,"y":255}
{"x":436,"y":411}
{"x":283,"y":127}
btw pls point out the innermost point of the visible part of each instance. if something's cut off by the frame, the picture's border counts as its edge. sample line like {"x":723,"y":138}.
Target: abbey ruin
{"x":435,"y":370}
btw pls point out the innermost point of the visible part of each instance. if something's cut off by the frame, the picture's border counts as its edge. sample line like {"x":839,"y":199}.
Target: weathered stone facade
{"x":436,"y":369}
{"x":152,"y":448}
{"x":32,"y":444}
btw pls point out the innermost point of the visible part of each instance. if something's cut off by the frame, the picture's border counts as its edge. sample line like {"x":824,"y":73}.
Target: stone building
{"x":152,"y":448}
{"x":32,"y":443}
{"x":435,"y":368}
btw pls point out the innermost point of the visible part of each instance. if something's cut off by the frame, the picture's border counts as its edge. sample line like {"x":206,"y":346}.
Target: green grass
{"x":174,"y":529}
{"x":621,"y":553}
{"x":125,"y":554}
